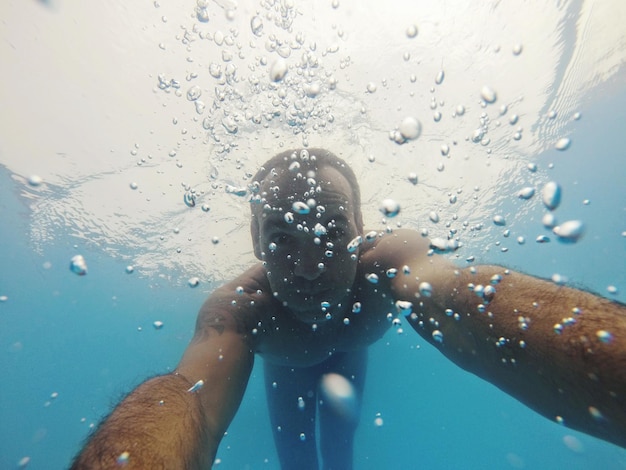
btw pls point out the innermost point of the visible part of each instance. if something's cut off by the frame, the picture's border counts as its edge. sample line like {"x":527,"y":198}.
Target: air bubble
{"x":202,"y":14}
{"x":256,"y":25}
{"x":548,"y":220}
{"x":411,"y":31}
{"x":573,"y":444}
{"x":442,"y":245}
{"x":425,"y":289}
{"x":604,"y":336}
{"x":312,"y":90}
{"x":237,"y":191}
{"x":526,"y":193}
{"x":437,"y":336}
{"x":215,"y":70}
{"x":410,"y":128}
{"x":478,"y":134}
{"x":570,"y":231}
{"x":35,"y":180}
{"x":194,"y":93}
{"x":78,"y":265}
{"x":488,"y":94}
{"x":339,"y":394}
{"x":300,"y":207}
{"x":278,"y":70}
{"x":230,"y":125}
{"x":391,"y":273}
{"x":489,"y":293}
{"x":499,"y":220}
{"x":122,"y":459}
{"x":193,"y":282}
{"x":404,"y":307}
{"x":389,"y":208}
{"x":371,"y":236}
{"x":319,"y":230}
{"x":595,"y":413}
{"x":157,"y":324}
{"x":190,"y":198}
{"x":563,"y":144}
{"x":551,"y":195}
{"x":354,"y":244}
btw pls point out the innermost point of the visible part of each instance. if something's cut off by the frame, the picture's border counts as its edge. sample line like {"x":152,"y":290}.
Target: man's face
{"x":304,"y":231}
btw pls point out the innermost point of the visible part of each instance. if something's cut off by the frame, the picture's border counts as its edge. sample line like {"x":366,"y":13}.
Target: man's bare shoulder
{"x":393,"y":249}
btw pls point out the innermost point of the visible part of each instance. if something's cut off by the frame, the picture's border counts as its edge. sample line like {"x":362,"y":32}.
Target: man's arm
{"x":162,"y":424}
{"x":560,"y":351}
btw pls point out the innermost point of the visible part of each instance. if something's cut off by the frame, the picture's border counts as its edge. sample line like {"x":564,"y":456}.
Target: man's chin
{"x":316,"y":308}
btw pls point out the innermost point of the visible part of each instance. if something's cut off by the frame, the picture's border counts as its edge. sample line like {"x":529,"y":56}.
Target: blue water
{"x":90,"y":339}
{"x":79,"y":337}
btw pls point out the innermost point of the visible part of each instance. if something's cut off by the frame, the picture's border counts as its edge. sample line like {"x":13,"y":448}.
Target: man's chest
{"x":284,"y":340}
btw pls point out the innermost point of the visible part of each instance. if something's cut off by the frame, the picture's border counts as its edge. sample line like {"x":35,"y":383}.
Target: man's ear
{"x":255,"y":231}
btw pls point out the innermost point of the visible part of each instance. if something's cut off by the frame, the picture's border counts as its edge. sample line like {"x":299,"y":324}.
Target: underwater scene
{"x":130,"y":134}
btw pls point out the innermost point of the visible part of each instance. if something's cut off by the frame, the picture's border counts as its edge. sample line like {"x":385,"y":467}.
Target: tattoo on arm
{"x":206,"y":320}
{"x":221,"y":316}
{"x":236,"y":306}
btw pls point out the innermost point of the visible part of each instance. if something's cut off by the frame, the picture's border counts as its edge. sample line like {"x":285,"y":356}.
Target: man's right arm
{"x":162,"y":424}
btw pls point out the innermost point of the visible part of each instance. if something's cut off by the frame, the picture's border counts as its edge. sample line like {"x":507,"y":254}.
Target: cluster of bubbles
{"x":568,"y":232}
{"x":262,"y":72}
{"x":256,"y":75}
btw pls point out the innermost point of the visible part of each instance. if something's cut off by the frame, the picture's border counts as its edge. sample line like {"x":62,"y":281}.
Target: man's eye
{"x":280,"y":238}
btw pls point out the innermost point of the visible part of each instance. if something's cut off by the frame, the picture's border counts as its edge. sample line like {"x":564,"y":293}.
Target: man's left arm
{"x":560,"y":351}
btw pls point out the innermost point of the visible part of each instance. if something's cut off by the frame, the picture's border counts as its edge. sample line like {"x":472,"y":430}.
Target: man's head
{"x":305,"y":211}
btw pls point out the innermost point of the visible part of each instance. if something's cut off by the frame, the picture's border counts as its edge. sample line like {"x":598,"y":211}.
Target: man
{"x":323,"y":292}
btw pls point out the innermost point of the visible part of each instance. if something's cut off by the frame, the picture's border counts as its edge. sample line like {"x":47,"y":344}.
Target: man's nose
{"x":308,"y":267}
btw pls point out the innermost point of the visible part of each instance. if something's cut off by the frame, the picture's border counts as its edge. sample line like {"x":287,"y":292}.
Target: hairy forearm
{"x":158,"y":425}
{"x":559,"y":350}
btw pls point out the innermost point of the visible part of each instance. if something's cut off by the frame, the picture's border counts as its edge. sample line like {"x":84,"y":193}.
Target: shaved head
{"x":297,"y":177}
